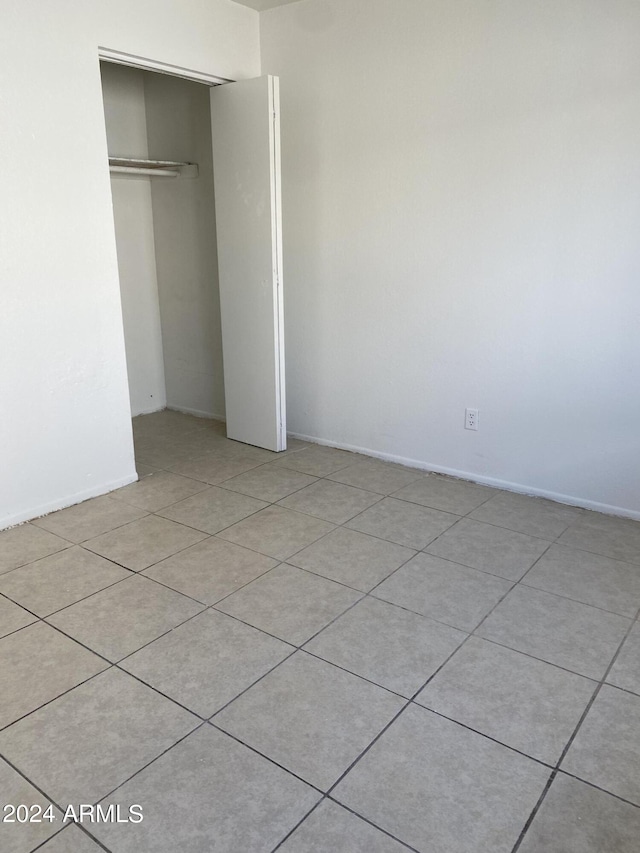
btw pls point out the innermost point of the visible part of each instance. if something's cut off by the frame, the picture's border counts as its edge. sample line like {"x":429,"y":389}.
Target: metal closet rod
{"x":152,"y":168}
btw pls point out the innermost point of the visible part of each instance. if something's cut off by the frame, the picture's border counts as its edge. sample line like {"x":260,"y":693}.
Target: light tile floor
{"x":317,"y":652}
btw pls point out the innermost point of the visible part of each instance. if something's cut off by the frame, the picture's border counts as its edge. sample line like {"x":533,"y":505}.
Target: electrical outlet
{"x":471,"y":418}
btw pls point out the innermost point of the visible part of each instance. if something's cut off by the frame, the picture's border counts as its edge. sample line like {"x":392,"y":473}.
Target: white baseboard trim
{"x":506,"y":485}
{"x":151,"y":411}
{"x":199,"y":414}
{"x":62,"y":503}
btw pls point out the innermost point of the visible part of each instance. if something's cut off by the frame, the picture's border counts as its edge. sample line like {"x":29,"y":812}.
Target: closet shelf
{"x":152,"y":168}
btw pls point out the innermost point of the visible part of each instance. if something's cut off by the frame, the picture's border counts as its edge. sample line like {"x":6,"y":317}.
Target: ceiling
{"x":261,"y":5}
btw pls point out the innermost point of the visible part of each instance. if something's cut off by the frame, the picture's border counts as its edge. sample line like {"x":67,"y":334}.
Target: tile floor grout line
{"x":204,"y":603}
{"x":396,"y":716}
{"x":533,"y":657}
{"x":89,"y":595}
{"x":571,"y":740}
{"x":368,"y":820}
{"x":253,"y":749}
{"x":597,"y":787}
{"x":355,"y":674}
{"x":577,"y":601}
{"x":271,"y":503}
{"x":205,"y":537}
{"x":472,"y":568}
{"x":58,"y":696}
{"x":210,"y":718}
{"x":47,"y":840}
{"x":299,"y":824}
{"x":192,"y":731}
{"x":495,"y":740}
{"x":328,"y":798}
{"x":144,"y":645}
{"x":82,"y":543}
{"x":249,"y":625}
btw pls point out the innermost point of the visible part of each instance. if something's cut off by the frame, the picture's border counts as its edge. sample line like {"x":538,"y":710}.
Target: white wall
{"x":126,"y":125}
{"x":179,"y":128}
{"x":65,"y":431}
{"x":461,"y":203}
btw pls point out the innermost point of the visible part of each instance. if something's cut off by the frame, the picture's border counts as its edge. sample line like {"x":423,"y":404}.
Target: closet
{"x":201,"y":299}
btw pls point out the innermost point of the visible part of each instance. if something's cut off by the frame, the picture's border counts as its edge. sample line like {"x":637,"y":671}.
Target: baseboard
{"x":506,"y":485}
{"x":150,"y":411}
{"x":62,"y":503}
{"x":197,"y":412}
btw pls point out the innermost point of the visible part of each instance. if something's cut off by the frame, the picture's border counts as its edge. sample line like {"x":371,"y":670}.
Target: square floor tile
{"x":330,"y":829}
{"x":168,"y":422}
{"x":12,"y":617}
{"x":606,"y":750}
{"x":403,"y":523}
{"x":277,"y":532}
{"x":522,"y":702}
{"x":207,"y":662}
{"x":18,"y":837}
{"x":457,"y":496}
{"x":524,"y":514}
{"x":319,"y":461}
{"x":89,"y":519}
{"x":625,"y":672}
{"x":145,"y":542}
{"x":437,"y":786}
{"x":36,"y":665}
{"x":453,"y":594}
{"x":572,"y":635}
{"x":310,"y":717}
{"x":390,"y":646}
{"x":213,"y":510}
{"x":352,"y":558}
{"x":211,"y":570}
{"x":377,"y":476}
{"x":158,"y":491}
{"x":492,"y":549}
{"x":618,"y":538}
{"x":588,"y":578}
{"x":289,"y":603}
{"x":70,"y":839}
{"x":269,"y":482}
{"x":26,"y":543}
{"x":94,"y":737}
{"x":209,"y":793}
{"x":215,"y":467}
{"x":332,"y":501}
{"x":576,"y":818}
{"x":123,"y":618}
{"x":159,"y":452}
{"x":59,"y":580}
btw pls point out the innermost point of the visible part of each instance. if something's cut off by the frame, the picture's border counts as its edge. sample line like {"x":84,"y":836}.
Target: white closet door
{"x":245,"y":124}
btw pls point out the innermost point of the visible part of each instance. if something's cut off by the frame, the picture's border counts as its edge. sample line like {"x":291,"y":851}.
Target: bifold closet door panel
{"x":246,"y":164}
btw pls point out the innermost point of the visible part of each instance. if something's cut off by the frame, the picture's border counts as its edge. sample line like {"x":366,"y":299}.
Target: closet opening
{"x":165,"y":226}
{"x":161,"y":160}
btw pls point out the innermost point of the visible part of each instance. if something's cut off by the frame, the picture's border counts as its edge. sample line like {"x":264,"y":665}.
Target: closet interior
{"x":160,"y":157}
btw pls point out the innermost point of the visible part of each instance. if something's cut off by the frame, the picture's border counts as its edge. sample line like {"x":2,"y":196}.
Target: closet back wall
{"x":126,"y":124}
{"x":166,"y":239}
{"x":179,"y":128}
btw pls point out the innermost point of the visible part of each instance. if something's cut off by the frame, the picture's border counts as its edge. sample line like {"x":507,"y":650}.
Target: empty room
{"x":320,"y":445}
